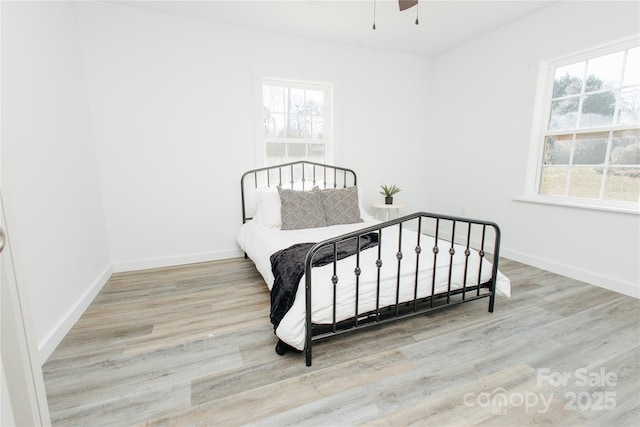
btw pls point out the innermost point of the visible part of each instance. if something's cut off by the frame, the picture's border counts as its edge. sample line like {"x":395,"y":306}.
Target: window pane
{"x":292,"y":129}
{"x":299,"y":126}
{"x":557,"y":150}
{"x":564,"y":113}
{"x":568,"y":80}
{"x":625,"y":148}
{"x":309,"y":131}
{"x":553,"y":181}
{"x":632,"y":69}
{"x":274,"y":125}
{"x":306,"y":126}
{"x":629,"y":110}
{"x":316,"y":152}
{"x":585,"y":182}
{"x":296,"y":99}
{"x":598,"y":109}
{"x":604,"y":72}
{"x":273,"y":98}
{"x":317,"y":124}
{"x":276,"y":150}
{"x":623,"y":184}
{"x":315,"y":98}
{"x":590,"y":149}
{"x":269,"y":123}
{"x":297,"y":150}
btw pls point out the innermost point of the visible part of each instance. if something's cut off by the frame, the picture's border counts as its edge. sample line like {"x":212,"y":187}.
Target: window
{"x":589,"y":145}
{"x":296,"y":118}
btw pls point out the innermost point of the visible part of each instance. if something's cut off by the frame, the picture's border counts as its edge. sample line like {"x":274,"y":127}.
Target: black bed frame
{"x":470,"y":233}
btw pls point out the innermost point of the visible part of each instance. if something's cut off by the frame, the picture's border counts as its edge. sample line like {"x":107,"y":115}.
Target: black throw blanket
{"x":287,"y":266}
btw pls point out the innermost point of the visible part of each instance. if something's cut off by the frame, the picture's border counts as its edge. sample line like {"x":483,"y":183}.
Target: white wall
{"x":172,"y":108}
{"x":49,"y":176}
{"x":482,"y":114}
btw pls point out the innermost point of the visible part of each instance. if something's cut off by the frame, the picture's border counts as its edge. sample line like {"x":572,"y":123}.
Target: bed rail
{"x":300,"y":175}
{"x":471,"y":234}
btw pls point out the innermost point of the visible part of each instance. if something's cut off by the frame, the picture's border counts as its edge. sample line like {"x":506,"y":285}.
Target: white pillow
{"x":268,"y":212}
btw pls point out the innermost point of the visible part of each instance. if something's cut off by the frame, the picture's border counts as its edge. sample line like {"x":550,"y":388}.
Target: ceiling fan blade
{"x":406,"y":4}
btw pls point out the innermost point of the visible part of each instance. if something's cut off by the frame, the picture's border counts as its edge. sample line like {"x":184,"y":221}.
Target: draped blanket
{"x":287,"y":266}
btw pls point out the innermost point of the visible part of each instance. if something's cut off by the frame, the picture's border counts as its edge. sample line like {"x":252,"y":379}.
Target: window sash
{"x":576,"y":131}
{"x":316,"y":129}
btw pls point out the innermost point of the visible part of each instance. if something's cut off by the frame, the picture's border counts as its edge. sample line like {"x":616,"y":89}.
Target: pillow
{"x":300,"y":209}
{"x":340,"y":205}
{"x":268,"y":211}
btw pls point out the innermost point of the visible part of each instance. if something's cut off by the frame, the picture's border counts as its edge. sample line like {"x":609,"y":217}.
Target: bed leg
{"x":307,"y":352}
{"x":492,"y":300}
{"x":281,"y":348}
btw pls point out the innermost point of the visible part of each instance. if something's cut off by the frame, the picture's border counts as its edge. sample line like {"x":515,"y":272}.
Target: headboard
{"x":300,"y":175}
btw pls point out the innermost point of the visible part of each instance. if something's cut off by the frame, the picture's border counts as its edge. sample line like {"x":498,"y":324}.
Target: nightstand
{"x":379,"y":205}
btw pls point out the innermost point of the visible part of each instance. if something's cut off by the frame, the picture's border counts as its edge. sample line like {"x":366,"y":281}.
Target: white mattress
{"x":259,"y":243}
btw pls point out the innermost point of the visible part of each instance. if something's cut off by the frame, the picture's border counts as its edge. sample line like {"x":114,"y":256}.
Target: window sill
{"x":578,"y":204}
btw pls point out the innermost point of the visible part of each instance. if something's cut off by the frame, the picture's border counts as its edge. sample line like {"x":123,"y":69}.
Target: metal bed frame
{"x":466,"y":232}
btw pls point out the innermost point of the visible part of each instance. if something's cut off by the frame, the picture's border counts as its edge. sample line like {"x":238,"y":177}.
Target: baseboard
{"x":145,"y":264}
{"x":55,"y":337}
{"x":50,"y":342}
{"x":610,"y":283}
{"x":606,"y":282}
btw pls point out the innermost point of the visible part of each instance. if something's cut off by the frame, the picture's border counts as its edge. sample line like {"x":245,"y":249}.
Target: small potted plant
{"x":388,"y":192}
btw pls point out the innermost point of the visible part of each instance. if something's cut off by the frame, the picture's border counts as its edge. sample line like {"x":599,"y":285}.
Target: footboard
{"x":456,"y":249}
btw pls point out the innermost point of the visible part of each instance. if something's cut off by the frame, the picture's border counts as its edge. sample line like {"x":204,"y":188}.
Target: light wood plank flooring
{"x":192,"y":345}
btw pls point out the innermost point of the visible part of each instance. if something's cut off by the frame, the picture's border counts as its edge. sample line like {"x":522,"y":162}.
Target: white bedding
{"x":259,"y":243}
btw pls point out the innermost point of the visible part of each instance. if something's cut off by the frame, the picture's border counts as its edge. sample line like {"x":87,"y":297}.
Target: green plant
{"x":389,"y":191}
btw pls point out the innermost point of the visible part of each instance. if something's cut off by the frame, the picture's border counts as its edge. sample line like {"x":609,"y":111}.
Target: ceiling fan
{"x":403,"y":4}
{"x":406,"y":4}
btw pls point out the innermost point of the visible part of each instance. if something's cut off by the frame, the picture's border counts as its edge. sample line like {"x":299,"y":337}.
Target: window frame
{"x":262,"y":140}
{"x":540,"y":130}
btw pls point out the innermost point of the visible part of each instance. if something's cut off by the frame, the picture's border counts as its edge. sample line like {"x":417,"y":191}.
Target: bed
{"x":331,"y":268}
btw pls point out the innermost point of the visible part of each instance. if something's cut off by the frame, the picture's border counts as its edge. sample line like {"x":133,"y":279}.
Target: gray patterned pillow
{"x":300,"y":209}
{"x":340,"y":205}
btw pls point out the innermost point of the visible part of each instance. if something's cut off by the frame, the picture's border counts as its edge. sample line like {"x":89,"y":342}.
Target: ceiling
{"x":444,"y":24}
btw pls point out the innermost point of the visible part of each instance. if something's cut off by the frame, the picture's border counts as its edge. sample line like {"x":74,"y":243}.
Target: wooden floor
{"x":193,"y":345}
